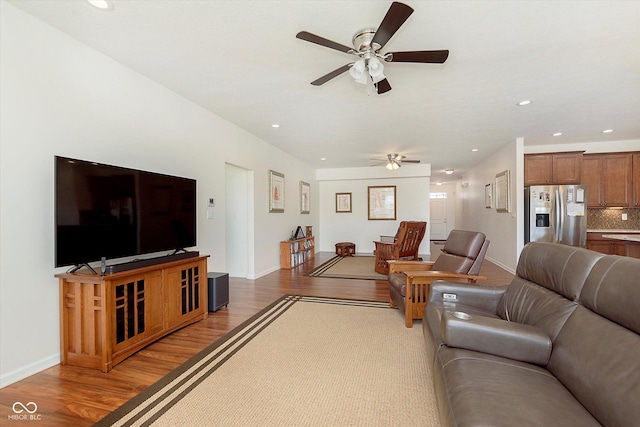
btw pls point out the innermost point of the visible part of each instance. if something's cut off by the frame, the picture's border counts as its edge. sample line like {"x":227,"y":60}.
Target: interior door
{"x":438,"y":221}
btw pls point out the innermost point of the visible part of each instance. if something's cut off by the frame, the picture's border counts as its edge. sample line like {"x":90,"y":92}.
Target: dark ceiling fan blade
{"x":312,"y":38}
{"x":424,"y":56}
{"x":383,"y":86}
{"x":335,"y":73}
{"x":392,"y":21}
{"x":409,"y":161}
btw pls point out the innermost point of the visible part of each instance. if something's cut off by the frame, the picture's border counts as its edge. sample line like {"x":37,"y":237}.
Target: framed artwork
{"x":343,"y":202}
{"x":502,"y":191}
{"x":488,"y":196}
{"x":305,"y":196}
{"x":276,"y":192}
{"x":382,"y":202}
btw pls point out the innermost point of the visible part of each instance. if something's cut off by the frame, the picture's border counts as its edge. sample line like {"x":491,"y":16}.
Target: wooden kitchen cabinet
{"x":596,"y":242}
{"x":553,"y":168}
{"x":636,"y":180}
{"x":609,"y":179}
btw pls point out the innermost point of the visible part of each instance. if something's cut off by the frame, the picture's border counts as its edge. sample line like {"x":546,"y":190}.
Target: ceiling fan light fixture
{"x":392,"y":165}
{"x":376,"y":70}
{"x":105,"y":5}
{"x":357,"y":71}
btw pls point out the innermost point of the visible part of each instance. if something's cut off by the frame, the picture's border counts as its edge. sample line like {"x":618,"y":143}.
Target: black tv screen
{"x":113,"y":212}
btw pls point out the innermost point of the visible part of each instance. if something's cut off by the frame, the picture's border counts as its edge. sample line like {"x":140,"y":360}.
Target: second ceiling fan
{"x":367,"y":44}
{"x":394,"y":161}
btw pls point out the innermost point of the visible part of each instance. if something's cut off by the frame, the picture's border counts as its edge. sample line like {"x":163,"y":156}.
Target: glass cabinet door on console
{"x":138,"y":308}
{"x":184,"y":287}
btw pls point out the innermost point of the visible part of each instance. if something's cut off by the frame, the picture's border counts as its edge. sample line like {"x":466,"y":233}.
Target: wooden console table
{"x":105,"y":319}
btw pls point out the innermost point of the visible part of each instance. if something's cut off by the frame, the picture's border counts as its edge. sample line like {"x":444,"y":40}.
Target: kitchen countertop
{"x":625,"y":237}
{"x":615,"y":231}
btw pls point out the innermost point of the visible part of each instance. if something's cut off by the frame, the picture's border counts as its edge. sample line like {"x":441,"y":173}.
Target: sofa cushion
{"x":549,"y":279}
{"x":476,"y":389}
{"x":599,"y":362}
{"x":613,"y":291}
{"x":560,"y":268}
{"x":597,"y":353}
{"x":531,"y":304}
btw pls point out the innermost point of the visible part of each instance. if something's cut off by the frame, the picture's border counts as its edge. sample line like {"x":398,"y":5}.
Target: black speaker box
{"x":218,"y":290}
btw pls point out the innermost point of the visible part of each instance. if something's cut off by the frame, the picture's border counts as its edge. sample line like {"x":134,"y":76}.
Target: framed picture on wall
{"x":488,"y":196}
{"x":343,"y":202}
{"x":305,"y":197}
{"x":502,"y":191}
{"x":382,"y":202}
{"x":276,"y":192}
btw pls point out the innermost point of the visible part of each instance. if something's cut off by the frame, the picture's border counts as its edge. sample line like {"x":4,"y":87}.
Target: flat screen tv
{"x":114,"y":212}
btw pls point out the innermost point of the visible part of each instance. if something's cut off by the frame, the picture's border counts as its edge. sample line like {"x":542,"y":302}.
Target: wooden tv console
{"x":105,"y":319}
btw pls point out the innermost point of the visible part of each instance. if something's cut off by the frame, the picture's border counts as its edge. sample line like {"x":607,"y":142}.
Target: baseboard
{"x":263,"y":273}
{"x":501,"y":265}
{"x":27,"y":371}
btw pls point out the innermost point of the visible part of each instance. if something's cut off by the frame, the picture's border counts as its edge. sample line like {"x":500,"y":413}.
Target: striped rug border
{"x":318,"y":271}
{"x":322,"y":269}
{"x":158,"y":398}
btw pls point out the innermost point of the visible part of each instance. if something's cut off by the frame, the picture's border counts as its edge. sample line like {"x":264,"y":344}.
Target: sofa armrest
{"x":483,"y":297}
{"x":499,"y":337}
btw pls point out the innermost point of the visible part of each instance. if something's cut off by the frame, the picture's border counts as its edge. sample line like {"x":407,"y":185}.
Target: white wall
{"x":412,"y":204}
{"x":501,"y":228}
{"x":60,"y":97}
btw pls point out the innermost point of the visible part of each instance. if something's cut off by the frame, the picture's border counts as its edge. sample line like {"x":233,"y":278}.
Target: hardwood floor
{"x":72,"y":396}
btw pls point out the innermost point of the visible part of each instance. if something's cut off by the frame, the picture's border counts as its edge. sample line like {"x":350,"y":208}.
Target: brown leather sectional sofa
{"x":559,"y":346}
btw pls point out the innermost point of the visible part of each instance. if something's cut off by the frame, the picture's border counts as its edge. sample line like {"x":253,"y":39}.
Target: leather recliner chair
{"x":409,"y":281}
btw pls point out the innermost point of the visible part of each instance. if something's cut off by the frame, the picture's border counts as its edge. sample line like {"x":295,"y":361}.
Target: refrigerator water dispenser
{"x":542,"y":220}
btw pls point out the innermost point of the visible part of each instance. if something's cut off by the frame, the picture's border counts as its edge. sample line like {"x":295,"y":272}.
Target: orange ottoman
{"x":345,"y":249}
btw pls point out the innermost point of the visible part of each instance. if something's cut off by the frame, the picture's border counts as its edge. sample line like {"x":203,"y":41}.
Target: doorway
{"x":238,"y":221}
{"x":442,"y":217}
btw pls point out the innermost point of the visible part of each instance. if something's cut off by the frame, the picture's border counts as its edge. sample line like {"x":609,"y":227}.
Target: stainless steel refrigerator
{"x":556,"y":213}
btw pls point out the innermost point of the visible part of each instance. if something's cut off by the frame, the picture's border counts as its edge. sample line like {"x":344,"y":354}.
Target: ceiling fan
{"x":366,"y":46}
{"x":394,"y":161}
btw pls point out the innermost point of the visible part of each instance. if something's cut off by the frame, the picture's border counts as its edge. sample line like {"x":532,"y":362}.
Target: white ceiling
{"x":578,"y":61}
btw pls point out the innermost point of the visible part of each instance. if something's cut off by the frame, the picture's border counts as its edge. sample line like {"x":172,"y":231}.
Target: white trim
{"x":28,"y":370}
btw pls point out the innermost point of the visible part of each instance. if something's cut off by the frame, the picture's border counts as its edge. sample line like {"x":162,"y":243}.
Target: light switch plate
{"x":624,"y":216}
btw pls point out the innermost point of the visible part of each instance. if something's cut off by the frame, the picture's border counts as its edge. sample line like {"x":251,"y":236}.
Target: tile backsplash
{"x":611,"y":219}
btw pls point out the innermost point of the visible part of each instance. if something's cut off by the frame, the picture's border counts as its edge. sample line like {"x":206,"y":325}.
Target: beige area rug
{"x":303,"y":361}
{"x":349,"y":267}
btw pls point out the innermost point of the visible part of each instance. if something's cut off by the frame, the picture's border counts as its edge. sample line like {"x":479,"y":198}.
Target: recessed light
{"x":524,"y":102}
{"x":438,"y":183}
{"x":474,"y":149}
{"x":448,"y":171}
{"x":607,"y":131}
{"x":106,"y":5}
{"x":275,"y":125}
{"x":557,"y":134}
{"x":323,"y":158}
